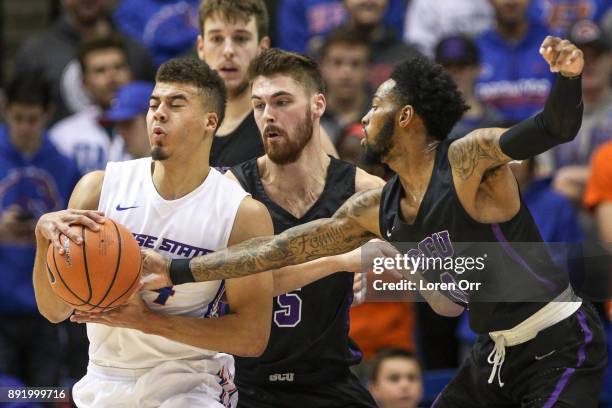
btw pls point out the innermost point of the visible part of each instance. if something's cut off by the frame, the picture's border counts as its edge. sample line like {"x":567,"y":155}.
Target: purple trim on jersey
{"x":213,"y":306}
{"x":436,"y":400}
{"x":501,"y":238}
{"x":588,"y":336}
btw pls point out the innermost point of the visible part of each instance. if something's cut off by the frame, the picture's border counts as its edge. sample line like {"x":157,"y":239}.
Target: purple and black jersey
{"x":242,"y":144}
{"x":504,"y":258}
{"x":309,"y":341}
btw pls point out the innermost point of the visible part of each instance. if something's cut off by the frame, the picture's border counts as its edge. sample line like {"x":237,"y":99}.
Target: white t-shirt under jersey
{"x":195,"y":224}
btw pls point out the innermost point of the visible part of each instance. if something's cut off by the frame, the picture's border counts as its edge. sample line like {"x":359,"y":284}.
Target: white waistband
{"x":560,"y":308}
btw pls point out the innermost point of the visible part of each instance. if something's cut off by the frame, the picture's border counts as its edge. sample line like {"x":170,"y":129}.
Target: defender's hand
{"x":562,"y":56}
{"x":155,"y":270}
{"x":51,"y":225}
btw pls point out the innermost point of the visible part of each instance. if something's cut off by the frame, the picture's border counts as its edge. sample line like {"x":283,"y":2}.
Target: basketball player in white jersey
{"x":165,"y":358}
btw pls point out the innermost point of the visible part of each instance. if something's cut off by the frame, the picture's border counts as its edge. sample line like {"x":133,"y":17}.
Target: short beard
{"x":376,"y":152}
{"x":158,"y":154}
{"x":293,"y":149}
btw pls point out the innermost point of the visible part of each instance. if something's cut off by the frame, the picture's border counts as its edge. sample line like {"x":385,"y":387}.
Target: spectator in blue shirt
{"x":300,"y":22}
{"x":553,"y":213}
{"x":34,"y":179}
{"x":559,"y":15}
{"x":167,"y":28}
{"x":515,"y":80}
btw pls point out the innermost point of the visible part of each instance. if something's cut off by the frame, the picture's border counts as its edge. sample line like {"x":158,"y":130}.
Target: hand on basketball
{"x":131,"y":315}
{"x":562,"y":56}
{"x":51,"y":225}
{"x":155,"y":270}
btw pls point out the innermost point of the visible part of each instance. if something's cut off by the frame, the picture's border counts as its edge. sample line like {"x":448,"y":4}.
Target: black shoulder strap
{"x":342,"y":174}
{"x":246,"y":173}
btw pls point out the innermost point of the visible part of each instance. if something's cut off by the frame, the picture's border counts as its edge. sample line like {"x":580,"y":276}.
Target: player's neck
{"x":175,"y":178}
{"x":238,"y":107}
{"x":304,"y":177}
{"x":413,"y":160}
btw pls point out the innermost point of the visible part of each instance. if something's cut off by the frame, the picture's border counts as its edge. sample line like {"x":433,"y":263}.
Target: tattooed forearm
{"x":316,"y":239}
{"x":478,"y":151}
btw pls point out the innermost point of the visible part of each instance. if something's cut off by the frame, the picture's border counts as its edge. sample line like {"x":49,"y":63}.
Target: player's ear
{"x":200,"y":47}
{"x":405,"y":115}
{"x":212,"y":121}
{"x":318,"y":105}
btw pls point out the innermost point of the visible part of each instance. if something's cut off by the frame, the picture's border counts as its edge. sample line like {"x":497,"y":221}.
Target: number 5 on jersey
{"x":290,"y":313}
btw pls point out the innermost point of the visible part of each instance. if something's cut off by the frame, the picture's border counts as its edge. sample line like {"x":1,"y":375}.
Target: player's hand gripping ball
{"x":99,"y":274}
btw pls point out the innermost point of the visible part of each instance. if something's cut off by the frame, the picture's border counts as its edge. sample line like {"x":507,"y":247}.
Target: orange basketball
{"x":99,"y":274}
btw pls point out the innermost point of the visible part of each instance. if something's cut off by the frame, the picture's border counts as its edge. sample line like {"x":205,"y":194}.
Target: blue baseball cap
{"x":457,"y":49}
{"x":130,"y":101}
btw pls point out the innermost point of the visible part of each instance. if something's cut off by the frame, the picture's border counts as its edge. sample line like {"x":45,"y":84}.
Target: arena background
{"x":565,"y":201}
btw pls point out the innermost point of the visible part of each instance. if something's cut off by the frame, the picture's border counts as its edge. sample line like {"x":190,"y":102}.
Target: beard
{"x":157,"y":153}
{"x":291,"y":150}
{"x":376,"y":152}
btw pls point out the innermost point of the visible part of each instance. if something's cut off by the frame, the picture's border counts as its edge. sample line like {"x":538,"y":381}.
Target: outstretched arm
{"x":346,"y":230}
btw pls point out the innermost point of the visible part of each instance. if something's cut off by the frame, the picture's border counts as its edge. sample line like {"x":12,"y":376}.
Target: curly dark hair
{"x":194,"y":72}
{"x":431,"y":92}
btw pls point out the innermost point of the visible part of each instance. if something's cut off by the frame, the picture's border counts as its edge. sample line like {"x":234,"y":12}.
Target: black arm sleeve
{"x":558,"y":123}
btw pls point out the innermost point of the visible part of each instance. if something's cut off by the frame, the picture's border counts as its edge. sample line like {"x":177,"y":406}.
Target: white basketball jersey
{"x":193,"y":225}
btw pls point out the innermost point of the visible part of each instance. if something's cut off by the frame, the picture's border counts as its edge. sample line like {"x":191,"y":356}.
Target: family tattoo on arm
{"x":316,"y":239}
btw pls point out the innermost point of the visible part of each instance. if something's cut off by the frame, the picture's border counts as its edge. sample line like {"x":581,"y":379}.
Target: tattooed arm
{"x":355,"y":223}
{"x":484,"y":183}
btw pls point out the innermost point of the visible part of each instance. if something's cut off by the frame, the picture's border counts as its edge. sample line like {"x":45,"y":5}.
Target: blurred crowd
{"x":78,"y":94}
